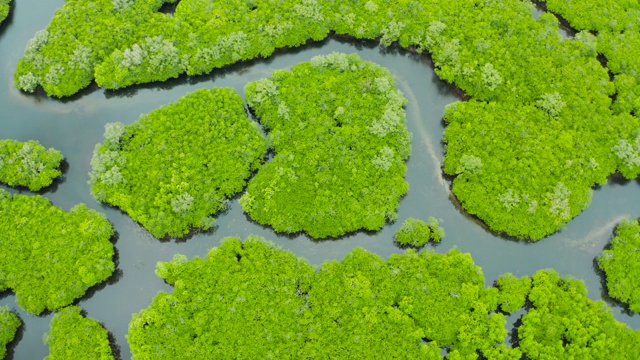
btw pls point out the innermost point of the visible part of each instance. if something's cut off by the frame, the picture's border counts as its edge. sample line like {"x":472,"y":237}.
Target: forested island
{"x":416,"y":233}
{"x":28,"y":164}
{"x":337,"y":127}
{"x":321,"y":149}
{"x":177,"y":166}
{"x":73,"y":336}
{"x":535,"y":136}
{"x":254,"y":300}
{"x":50,"y":257}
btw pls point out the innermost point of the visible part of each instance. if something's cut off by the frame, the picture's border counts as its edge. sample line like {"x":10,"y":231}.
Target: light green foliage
{"x":494,"y":51}
{"x":621,"y":264}
{"x":340,"y":147}
{"x":4,"y":11}
{"x":627,"y":152}
{"x":28,"y":164}
{"x":254,"y":300}
{"x":49,"y":257}
{"x":177,"y":166}
{"x":437,"y":231}
{"x":527,"y":186}
{"x":564,"y":323}
{"x":416,"y":233}
{"x":513,"y":292}
{"x":245,"y":299}
{"x":73,"y":336}
{"x":413,"y":232}
{"x":9,"y":324}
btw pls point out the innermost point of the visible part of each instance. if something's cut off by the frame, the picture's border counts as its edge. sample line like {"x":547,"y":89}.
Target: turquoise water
{"x":75,"y":125}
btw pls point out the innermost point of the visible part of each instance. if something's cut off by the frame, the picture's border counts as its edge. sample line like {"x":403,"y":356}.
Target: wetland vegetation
{"x":337,"y":127}
{"x":177,"y":166}
{"x":544,"y":120}
{"x":28,"y":164}
{"x":269,"y":303}
{"x":51,"y":257}
{"x":73,"y":336}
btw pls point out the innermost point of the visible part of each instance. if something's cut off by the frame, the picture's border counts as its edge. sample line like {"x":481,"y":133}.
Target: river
{"x":75,"y":125}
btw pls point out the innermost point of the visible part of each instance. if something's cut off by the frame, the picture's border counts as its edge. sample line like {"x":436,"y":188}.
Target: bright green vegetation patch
{"x":621,"y":264}
{"x":548,"y":182}
{"x":563,"y":323}
{"x":4,"y":9}
{"x":9,"y":324}
{"x":337,"y":127}
{"x":177,"y":166}
{"x":254,"y":300}
{"x":618,"y":39}
{"x":416,"y":233}
{"x":28,"y":164}
{"x":520,"y":72}
{"x":73,"y":336}
{"x":50,"y":257}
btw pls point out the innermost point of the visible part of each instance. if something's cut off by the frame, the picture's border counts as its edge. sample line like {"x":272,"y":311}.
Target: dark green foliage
{"x":564,"y":323}
{"x":49,"y":257}
{"x":9,"y":324}
{"x":253,"y":300}
{"x":28,"y":164}
{"x":4,"y":9}
{"x":242,"y":299}
{"x":177,"y":166}
{"x":74,"y":336}
{"x":338,"y":130}
{"x":621,"y":264}
{"x":413,"y":232}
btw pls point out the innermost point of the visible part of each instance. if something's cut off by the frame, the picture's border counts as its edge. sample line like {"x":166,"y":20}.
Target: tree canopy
{"x":74,"y":336}
{"x":9,"y":325}
{"x":564,"y":323}
{"x":416,"y":233}
{"x":175,"y":167}
{"x":621,"y":264}
{"x":28,"y":164}
{"x":337,"y":127}
{"x":50,"y":257}
{"x":4,"y":9}
{"x":252,"y":299}
{"x":551,"y":95}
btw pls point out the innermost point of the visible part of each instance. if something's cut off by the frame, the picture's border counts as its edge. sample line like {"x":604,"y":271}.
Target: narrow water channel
{"x":74,"y":126}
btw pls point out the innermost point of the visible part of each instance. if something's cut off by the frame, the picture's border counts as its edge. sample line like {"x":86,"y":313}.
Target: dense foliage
{"x":4,"y":9}
{"x":177,"y":166}
{"x":337,"y":127}
{"x":548,"y":93}
{"x":617,"y":30}
{"x":9,"y":324}
{"x":416,"y":233}
{"x":253,"y":300}
{"x":28,"y":164}
{"x":50,"y":257}
{"x":563,"y":323}
{"x":73,"y":336}
{"x":621,"y":264}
